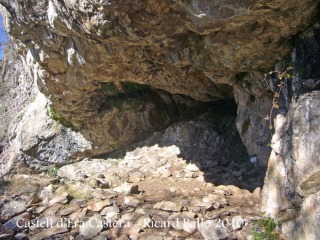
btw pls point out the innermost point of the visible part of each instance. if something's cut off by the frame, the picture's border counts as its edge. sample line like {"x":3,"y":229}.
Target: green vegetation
{"x":131,"y":97}
{"x":265,"y":230}
{"x":134,"y":87}
{"x":76,"y":193}
{"x":53,"y":171}
{"x":2,"y":109}
{"x":57,"y":117}
{"x":109,"y":88}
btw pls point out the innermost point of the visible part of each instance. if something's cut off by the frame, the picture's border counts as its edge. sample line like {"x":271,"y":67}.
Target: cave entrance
{"x":211,"y":141}
{"x":205,"y":133}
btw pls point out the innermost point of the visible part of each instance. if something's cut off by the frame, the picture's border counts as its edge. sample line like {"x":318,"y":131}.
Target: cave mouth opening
{"x":207,"y":137}
{"x":211,"y":141}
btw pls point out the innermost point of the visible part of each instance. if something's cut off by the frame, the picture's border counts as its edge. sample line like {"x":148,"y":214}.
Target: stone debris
{"x":127,"y":188}
{"x":168,"y":206}
{"x":98,"y":206}
{"x":214,"y":230}
{"x":92,"y":227}
{"x":12,"y":209}
{"x":69,"y":209}
{"x":140,"y":205}
{"x":132,"y":201}
{"x":15,"y":224}
{"x":237,"y":223}
{"x":192,"y":168}
{"x":52,"y":231}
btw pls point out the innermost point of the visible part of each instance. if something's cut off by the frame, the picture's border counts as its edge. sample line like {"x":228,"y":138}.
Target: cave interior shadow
{"x":212,"y":142}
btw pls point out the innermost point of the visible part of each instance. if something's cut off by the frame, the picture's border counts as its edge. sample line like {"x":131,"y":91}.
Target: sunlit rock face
{"x":291,"y":189}
{"x":85,"y":52}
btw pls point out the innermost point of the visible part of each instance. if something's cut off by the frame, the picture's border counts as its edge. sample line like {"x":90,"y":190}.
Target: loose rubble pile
{"x":150,"y":194}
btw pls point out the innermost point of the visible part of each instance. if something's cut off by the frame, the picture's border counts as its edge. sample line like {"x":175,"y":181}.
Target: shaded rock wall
{"x":212,"y":142}
{"x":251,"y":123}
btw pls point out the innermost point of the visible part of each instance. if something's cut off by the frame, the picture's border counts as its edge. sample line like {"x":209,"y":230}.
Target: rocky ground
{"x":149,"y":194}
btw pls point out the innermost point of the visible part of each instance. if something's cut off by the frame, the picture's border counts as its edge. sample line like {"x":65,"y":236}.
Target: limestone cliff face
{"x":291,"y":189}
{"x":28,"y":132}
{"x":115,"y":72}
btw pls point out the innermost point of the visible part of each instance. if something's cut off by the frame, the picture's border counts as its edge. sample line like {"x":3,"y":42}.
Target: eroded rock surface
{"x":86,"y":55}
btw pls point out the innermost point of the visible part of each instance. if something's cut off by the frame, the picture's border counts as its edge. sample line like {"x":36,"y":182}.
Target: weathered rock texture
{"x":83,"y":54}
{"x":117,"y":71}
{"x":28,"y":131}
{"x":16,"y":92}
{"x":291,"y":190}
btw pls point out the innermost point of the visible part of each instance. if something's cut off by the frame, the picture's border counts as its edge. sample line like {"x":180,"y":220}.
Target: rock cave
{"x":149,"y":112}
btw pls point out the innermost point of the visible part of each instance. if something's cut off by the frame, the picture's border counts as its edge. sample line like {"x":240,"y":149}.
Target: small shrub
{"x":264,"y":229}
{"x":53,"y":171}
{"x":57,"y":117}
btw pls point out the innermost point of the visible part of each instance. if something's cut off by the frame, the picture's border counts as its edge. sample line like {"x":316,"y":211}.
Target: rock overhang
{"x":181,"y":50}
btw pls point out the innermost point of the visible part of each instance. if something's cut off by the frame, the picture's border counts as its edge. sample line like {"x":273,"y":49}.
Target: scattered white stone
{"x":173,"y":190}
{"x":179,"y":174}
{"x":46,"y":193}
{"x":237,"y":223}
{"x":132,"y":200}
{"x":112,"y":209}
{"x":191,"y":175}
{"x":143,"y":221}
{"x":168,"y":206}
{"x":209,"y":185}
{"x":216,"y":200}
{"x":127,"y":188}
{"x":192,"y":168}
{"x":92,"y":227}
{"x":184,"y":221}
{"x":211,"y":230}
{"x":136,"y":177}
{"x":96,"y":206}
{"x":201,"y":179}
{"x":62,"y":198}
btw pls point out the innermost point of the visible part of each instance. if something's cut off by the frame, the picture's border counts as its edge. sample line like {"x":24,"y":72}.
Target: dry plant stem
{"x":275,"y":100}
{"x":276,"y":96}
